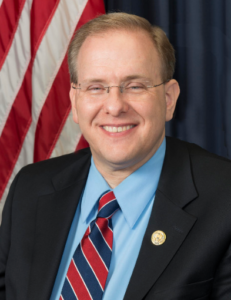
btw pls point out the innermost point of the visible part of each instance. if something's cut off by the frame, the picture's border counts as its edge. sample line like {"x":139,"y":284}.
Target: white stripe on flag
{"x":15,"y":65}
{"x":68,"y":139}
{"x":51,"y":53}
{"x":52,"y":50}
{"x":25,"y":157}
{"x":42,"y":78}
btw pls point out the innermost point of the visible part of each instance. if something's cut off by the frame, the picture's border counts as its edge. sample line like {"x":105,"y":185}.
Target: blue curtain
{"x":200,"y":31}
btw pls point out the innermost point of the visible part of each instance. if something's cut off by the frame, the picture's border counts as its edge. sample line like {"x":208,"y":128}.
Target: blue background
{"x":200,"y":31}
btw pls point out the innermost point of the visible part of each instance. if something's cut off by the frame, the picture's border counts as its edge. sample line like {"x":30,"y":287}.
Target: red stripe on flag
{"x":77,"y":283}
{"x":15,"y":130}
{"x":82,"y":143}
{"x":18,"y":121}
{"x":42,"y":12}
{"x":10,"y":12}
{"x":57,"y":106}
{"x":105,"y":199}
{"x":107,"y":234}
{"x":95,"y":261}
{"x":53,"y":115}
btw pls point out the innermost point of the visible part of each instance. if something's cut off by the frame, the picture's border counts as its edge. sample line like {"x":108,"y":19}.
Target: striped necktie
{"x":87,"y":273}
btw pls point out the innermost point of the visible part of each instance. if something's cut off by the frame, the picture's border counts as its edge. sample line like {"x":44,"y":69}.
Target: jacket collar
{"x":175,"y":190}
{"x":55,"y":213}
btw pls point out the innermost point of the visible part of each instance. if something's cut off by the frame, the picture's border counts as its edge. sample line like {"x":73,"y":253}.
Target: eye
{"x":135,"y":87}
{"x":96,"y":89}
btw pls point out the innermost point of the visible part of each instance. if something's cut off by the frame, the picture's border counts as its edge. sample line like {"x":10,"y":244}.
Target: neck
{"x":115,"y":174}
{"x":115,"y":177}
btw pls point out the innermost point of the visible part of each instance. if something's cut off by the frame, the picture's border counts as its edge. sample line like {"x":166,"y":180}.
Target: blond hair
{"x":122,"y":21}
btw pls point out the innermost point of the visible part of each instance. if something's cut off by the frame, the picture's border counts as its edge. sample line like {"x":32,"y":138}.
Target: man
{"x":170,"y":229}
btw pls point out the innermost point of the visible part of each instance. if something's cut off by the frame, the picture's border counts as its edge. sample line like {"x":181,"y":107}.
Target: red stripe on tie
{"x":106,"y":234}
{"x":50,"y":125}
{"x":105,"y":199}
{"x":77,"y":283}
{"x":95,"y":261}
{"x":10,"y":12}
{"x":88,"y":231}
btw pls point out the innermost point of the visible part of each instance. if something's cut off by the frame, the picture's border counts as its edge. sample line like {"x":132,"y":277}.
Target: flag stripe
{"x":15,"y":65}
{"x":10,"y":11}
{"x":50,"y":125}
{"x":51,"y":92}
{"x":38,"y":33}
{"x":52,"y":50}
{"x":16,"y":127}
{"x":82,"y":143}
{"x":41,"y":15}
{"x":15,"y":130}
{"x":69,"y":137}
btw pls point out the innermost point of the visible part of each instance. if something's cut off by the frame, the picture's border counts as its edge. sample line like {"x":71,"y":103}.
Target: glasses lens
{"x":135,"y":88}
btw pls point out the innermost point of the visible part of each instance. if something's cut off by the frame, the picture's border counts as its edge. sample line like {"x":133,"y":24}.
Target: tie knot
{"x":108,"y":205}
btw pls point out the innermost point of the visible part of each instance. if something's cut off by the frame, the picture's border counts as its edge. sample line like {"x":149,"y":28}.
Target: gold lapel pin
{"x":158,"y":237}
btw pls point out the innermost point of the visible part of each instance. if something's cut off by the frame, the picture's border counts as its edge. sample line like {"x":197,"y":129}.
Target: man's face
{"x":113,"y":58}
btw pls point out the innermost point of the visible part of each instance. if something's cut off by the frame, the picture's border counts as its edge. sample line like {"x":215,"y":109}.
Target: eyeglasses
{"x":131,"y":88}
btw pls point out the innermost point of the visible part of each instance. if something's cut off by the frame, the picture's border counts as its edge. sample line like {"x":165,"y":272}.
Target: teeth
{"x":117,"y":129}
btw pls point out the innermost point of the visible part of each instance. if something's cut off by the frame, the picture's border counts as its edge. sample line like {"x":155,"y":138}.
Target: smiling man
{"x":135,"y":216}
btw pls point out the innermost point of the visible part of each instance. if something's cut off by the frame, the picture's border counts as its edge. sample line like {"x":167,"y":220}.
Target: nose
{"x":115,"y":102}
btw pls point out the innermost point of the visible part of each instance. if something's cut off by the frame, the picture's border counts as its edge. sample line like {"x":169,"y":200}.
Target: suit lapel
{"x":55,"y":213}
{"x":175,"y":190}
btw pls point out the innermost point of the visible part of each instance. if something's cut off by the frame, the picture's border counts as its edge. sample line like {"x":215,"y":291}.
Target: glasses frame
{"x":121,"y":88}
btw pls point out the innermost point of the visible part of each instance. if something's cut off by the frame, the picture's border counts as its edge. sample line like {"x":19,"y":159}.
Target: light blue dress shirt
{"x":135,"y":196}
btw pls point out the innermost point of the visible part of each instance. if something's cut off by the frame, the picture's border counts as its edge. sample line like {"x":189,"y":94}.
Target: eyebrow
{"x":126,"y":78}
{"x":131,"y":77}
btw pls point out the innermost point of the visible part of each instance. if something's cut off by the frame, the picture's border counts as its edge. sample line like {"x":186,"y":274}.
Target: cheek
{"x":88,"y":111}
{"x":152,"y":112}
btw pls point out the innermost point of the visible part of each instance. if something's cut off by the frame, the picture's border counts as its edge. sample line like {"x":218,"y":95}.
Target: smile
{"x":117,"y":129}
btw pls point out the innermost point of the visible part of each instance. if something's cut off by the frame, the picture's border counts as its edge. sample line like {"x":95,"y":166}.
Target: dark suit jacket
{"x":192,"y":206}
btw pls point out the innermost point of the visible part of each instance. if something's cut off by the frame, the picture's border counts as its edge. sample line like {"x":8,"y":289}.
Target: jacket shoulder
{"x":55,"y":165}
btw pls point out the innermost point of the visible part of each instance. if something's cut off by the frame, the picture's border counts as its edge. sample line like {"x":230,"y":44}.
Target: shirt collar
{"x":133,"y":193}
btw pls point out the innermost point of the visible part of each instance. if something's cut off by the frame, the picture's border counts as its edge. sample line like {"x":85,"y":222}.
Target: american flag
{"x":35,"y":112}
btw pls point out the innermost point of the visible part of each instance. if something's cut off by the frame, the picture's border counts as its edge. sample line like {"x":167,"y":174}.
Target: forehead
{"x":116,"y":54}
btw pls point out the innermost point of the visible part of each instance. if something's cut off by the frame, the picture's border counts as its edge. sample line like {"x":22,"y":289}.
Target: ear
{"x":73,"y":98}
{"x":172,"y":92}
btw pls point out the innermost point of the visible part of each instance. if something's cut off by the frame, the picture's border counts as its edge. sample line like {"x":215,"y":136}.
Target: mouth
{"x":115,"y":129}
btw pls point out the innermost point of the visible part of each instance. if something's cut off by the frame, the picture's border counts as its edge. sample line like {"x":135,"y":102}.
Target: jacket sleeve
{"x":222,"y":281}
{"x":5,"y":232}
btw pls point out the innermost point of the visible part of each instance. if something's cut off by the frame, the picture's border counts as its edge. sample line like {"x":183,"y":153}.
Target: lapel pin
{"x":158,"y":237}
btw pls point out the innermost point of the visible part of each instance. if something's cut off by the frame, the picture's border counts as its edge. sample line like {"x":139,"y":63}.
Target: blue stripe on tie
{"x":108,"y":209}
{"x":67,"y":291}
{"x":110,"y":224}
{"x":87,"y":275}
{"x":101,"y":246}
